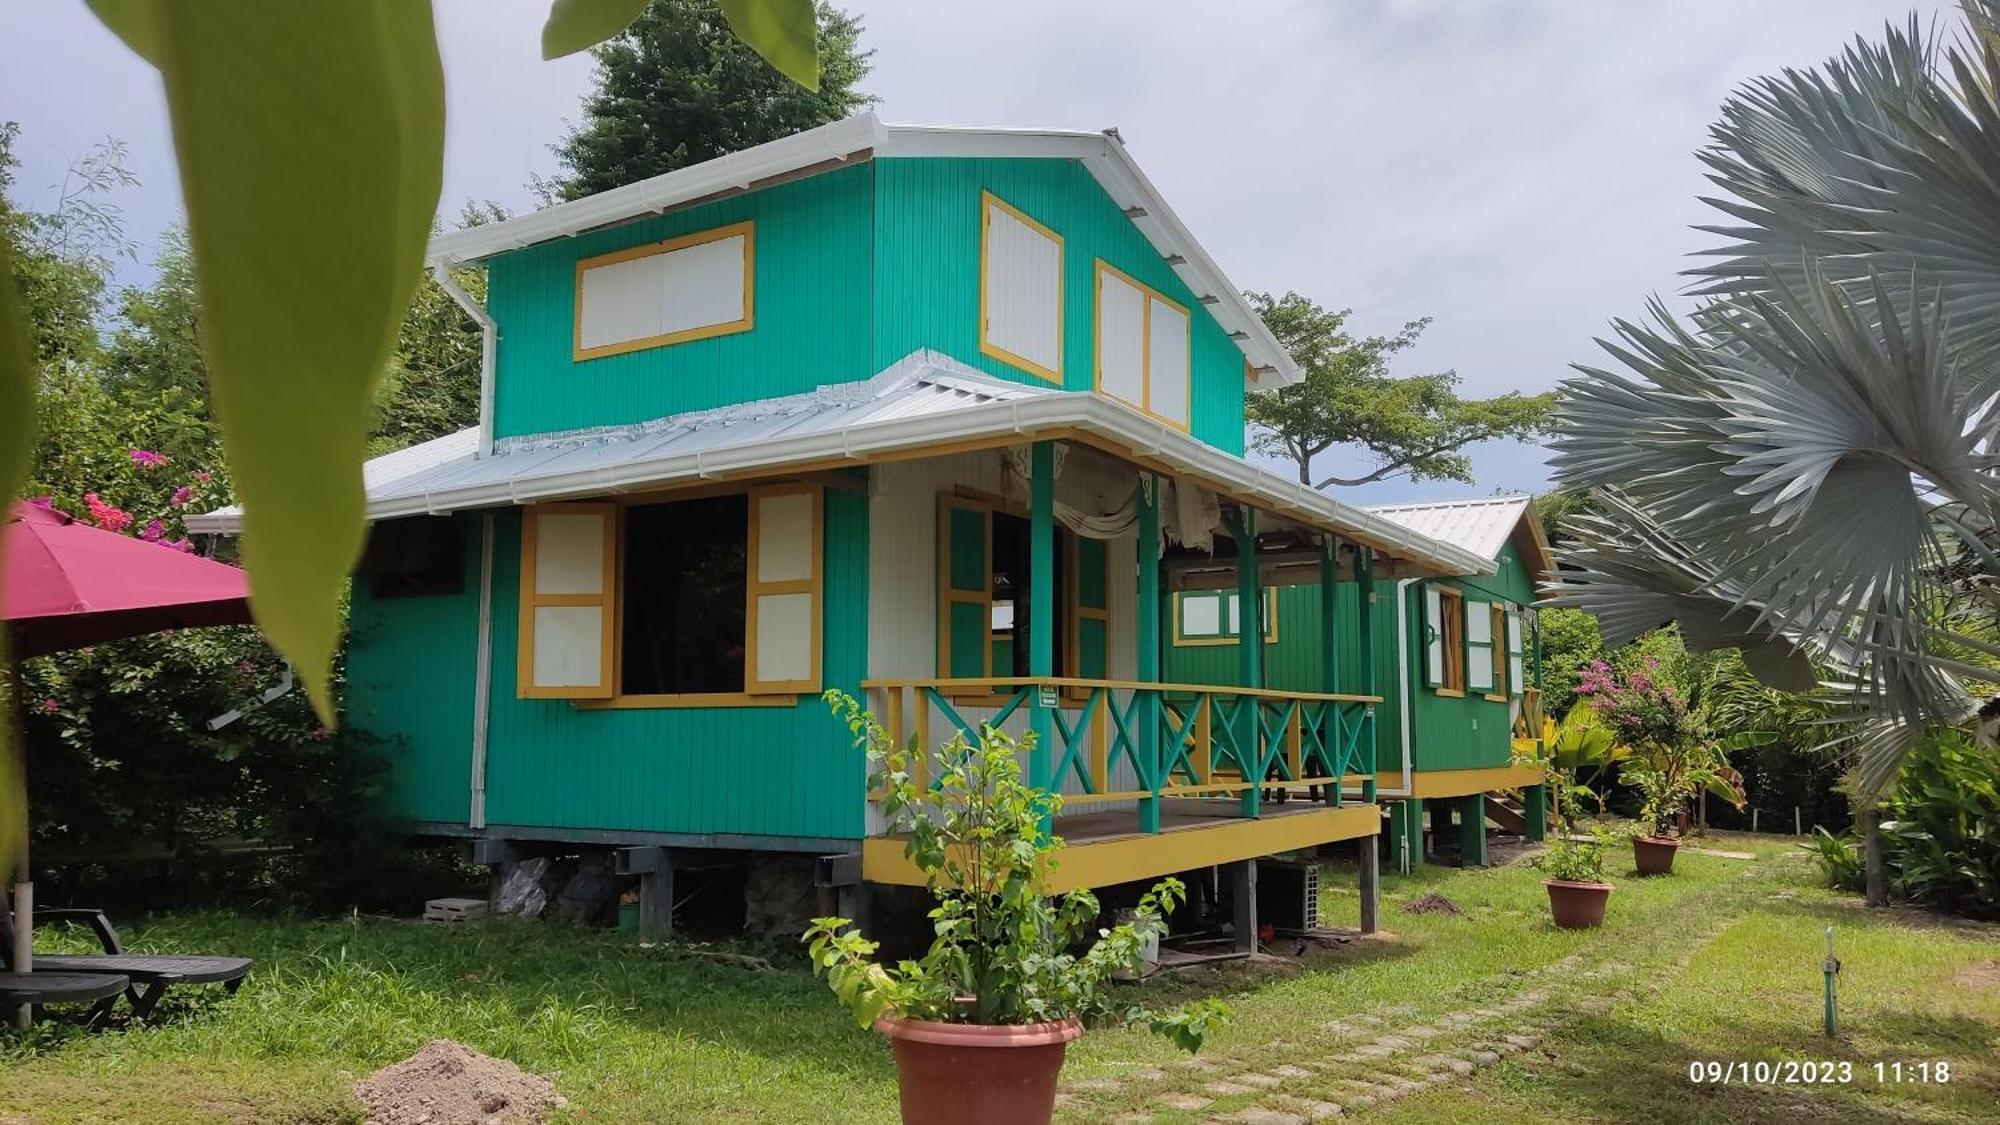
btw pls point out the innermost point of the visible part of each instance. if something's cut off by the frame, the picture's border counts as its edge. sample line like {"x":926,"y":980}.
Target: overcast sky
{"x":1519,"y":171}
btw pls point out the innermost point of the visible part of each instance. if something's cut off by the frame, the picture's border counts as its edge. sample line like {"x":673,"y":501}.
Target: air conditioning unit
{"x":1288,"y":895}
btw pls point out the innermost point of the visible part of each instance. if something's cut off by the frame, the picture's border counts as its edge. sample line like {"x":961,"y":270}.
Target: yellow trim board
{"x":1126,"y":859}
{"x":1454,"y":783}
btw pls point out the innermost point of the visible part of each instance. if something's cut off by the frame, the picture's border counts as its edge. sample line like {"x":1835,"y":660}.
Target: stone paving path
{"x":1351,"y":1065}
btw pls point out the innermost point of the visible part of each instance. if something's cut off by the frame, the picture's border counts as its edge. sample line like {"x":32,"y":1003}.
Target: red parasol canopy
{"x":68,"y":584}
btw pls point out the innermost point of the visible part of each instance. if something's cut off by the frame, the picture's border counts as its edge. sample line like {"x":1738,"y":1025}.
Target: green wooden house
{"x":1456,"y":662}
{"x":940,"y":416}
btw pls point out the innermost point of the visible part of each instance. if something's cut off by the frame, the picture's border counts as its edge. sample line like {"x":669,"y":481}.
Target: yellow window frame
{"x":1181,"y":640}
{"x":988,"y":201}
{"x":1145,"y":343}
{"x":747,"y":322}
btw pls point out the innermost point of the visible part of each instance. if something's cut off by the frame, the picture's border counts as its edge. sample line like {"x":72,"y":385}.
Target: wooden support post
{"x":1147,"y":642}
{"x":1368,"y":854}
{"x":855,"y":901}
{"x":1250,"y":657}
{"x":1329,"y":659}
{"x":1472,"y":830}
{"x":1243,"y":893}
{"x":1535,"y":807}
{"x":656,"y":897}
{"x":1041,"y":607}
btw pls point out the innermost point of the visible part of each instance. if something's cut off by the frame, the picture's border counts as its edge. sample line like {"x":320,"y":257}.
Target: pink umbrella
{"x":65,"y":584}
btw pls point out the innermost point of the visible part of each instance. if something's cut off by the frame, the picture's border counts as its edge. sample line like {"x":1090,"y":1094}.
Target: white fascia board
{"x":222,"y":521}
{"x":735,"y":171}
{"x":1026,"y":417}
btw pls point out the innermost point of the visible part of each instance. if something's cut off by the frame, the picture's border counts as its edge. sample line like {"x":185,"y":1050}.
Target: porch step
{"x":1504,"y":814}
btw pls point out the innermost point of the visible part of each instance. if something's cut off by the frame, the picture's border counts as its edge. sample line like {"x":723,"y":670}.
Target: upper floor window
{"x":687,"y":288}
{"x":1142,"y":347}
{"x":1020,"y":289}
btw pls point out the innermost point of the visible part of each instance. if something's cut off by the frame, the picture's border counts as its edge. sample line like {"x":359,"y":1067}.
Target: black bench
{"x":144,"y":977}
{"x":38,"y":988}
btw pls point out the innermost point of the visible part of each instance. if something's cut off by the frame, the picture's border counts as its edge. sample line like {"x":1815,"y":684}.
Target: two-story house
{"x":941,"y":416}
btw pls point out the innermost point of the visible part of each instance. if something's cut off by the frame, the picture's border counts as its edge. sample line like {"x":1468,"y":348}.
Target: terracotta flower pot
{"x":1577,"y":906}
{"x":971,"y":1074}
{"x":1654,"y":855}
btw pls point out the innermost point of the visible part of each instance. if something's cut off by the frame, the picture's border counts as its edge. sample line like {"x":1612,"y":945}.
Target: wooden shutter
{"x":1516,"y":656}
{"x":1433,"y":636}
{"x":1479,"y":646}
{"x":569,"y":556}
{"x":965,"y":589}
{"x":785,"y":590}
{"x":1020,"y":290}
{"x":1089,"y":649}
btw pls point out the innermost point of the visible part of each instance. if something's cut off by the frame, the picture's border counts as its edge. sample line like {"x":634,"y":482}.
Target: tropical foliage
{"x":1002,"y":952}
{"x":1802,"y":468}
{"x":1941,"y":832}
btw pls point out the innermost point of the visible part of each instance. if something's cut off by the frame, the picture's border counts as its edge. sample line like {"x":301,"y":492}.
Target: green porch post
{"x":1329,"y":646}
{"x":1041,"y":603}
{"x":1364,"y":631}
{"x":1535,"y":807}
{"x":1472,"y":830}
{"x":1148,"y":644}
{"x":1250,"y":650}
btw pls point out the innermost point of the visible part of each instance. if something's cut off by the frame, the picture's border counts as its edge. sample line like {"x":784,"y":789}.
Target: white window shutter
{"x":1516,"y":655}
{"x":1020,"y":290}
{"x":568,"y":601}
{"x":1479,"y":646}
{"x":1433,"y":637}
{"x":1121,"y":338}
{"x":784,"y":589}
{"x":1167,"y":361}
{"x":686,"y":288}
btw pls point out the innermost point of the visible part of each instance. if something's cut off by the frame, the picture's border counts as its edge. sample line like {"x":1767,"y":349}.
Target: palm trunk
{"x":1875,"y":871}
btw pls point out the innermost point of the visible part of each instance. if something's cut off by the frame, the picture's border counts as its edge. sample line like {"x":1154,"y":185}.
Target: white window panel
{"x":785,"y":537}
{"x":1201,"y":616}
{"x":569,"y":646}
{"x":1479,"y":667}
{"x":1478,"y":623}
{"x":784,"y":637}
{"x":1167,"y":362}
{"x":569,"y":553}
{"x":1022,"y":287}
{"x":1434,"y":632}
{"x":1121,"y":338}
{"x":686,"y":288}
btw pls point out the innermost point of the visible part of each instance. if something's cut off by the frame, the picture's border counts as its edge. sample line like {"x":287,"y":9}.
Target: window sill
{"x":1450,"y":693}
{"x":690,"y":700}
{"x":1492,"y":698}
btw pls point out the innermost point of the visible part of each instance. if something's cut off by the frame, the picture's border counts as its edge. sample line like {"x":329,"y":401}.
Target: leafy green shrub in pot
{"x":1000,"y":979}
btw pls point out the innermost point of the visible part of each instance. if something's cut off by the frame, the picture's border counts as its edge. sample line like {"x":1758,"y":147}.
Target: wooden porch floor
{"x":1106,"y":847}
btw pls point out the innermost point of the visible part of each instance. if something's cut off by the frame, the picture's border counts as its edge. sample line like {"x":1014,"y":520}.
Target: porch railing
{"x":1171,"y":739}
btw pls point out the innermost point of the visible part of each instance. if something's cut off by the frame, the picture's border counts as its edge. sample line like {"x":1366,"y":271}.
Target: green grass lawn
{"x":1720,"y":961}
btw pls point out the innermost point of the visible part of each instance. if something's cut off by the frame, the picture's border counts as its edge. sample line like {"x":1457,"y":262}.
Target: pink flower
{"x":107,"y":516}
{"x":181,"y":496}
{"x":48,"y":707}
{"x":147,"y":459}
{"x":154,"y":532}
{"x":203,"y":477}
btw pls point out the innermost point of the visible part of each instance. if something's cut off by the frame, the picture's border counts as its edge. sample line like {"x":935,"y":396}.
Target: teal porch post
{"x":1364,"y":631}
{"x":1472,"y":830}
{"x":1041,"y":604}
{"x":1148,"y":644}
{"x":1329,"y":651}
{"x":1250,"y":649}
{"x":1535,"y":807}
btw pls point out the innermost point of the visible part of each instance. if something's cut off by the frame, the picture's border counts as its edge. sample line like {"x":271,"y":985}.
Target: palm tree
{"x":1808,"y":467}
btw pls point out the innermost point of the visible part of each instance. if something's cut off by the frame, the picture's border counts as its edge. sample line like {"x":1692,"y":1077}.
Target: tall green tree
{"x":1413,"y":425}
{"x":676,"y":87}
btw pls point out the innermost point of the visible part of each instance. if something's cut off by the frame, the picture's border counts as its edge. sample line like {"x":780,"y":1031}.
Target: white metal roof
{"x":862,"y":137}
{"x":1481,"y":526}
{"x":376,"y":473}
{"x":923,"y":401}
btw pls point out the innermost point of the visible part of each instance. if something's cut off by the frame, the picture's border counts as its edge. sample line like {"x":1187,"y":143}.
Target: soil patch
{"x":447,"y":1083}
{"x":1982,"y":976}
{"x":1433,"y":903}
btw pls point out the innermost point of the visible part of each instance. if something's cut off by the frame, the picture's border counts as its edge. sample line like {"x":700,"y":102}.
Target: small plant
{"x":1838,"y":857}
{"x":1003,"y":947}
{"x":1574,"y":861}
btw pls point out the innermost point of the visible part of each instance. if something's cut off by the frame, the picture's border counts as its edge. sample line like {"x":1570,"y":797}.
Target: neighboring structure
{"x":935,"y":414}
{"x":1457,"y":659}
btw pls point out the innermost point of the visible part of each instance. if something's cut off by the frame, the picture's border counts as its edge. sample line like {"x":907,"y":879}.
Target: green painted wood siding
{"x":778,"y":771}
{"x":1451,"y":733}
{"x":927,"y":274}
{"x":410,"y":668}
{"x":811,"y":306}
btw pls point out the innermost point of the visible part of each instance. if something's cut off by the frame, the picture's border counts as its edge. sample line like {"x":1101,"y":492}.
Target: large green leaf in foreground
{"x":576,"y":25}
{"x":310,"y":137}
{"x":783,"y":31}
{"x":17,"y":438}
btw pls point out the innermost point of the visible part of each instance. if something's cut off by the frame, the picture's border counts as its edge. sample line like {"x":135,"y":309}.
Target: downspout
{"x":1403,"y":704}
{"x":482,"y":681}
{"x":489,"y":347}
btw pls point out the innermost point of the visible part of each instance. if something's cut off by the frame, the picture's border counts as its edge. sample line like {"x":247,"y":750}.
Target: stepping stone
{"x":1258,"y":1116}
{"x":1485,"y":1058}
{"x":1374,"y":1050}
{"x":1150,"y":1074}
{"x":1196,"y":1062}
{"x":1096,"y":1085}
{"x":1186,"y":1103}
{"x":1289,"y":1071}
{"x":1317,"y":1110}
{"x":1419,"y":1033}
{"x":1261,"y":1081}
{"x":1225,"y":1089}
{"x":1524,"y":1042}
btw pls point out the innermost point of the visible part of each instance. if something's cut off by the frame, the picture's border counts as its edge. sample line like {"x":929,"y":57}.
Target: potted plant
{"x":1576,"y":886}
{"x":980,"y":1023}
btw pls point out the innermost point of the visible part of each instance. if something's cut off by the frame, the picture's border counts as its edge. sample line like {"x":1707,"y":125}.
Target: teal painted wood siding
{"x":410,"y":665}
{"x":811,"y":267}
{"x":927,"y":274}
{"x":778,"y":771}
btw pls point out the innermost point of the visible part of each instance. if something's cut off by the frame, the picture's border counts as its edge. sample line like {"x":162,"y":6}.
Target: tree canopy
{"x":1414,"y":425}
{"x":677,"y":87}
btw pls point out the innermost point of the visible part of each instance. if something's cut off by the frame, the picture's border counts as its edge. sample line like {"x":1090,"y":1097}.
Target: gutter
{"x":489,"y":348}
{"x":482,"y":680}
{"x":1403,"y":707}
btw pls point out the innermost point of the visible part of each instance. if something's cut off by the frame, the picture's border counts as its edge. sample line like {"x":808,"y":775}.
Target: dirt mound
{"x":1432,"y":903}
{"x":447,"y":1083}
